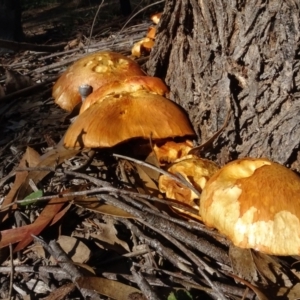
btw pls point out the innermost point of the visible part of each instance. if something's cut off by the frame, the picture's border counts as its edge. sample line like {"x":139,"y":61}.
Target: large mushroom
{"x":120,"y":117}
{"x":96,"y":70}
{"x":256,"y":204}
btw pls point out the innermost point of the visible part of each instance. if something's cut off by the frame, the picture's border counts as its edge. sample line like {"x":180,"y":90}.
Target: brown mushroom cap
{"x":96,"y":70}
{"x":120,"y":117}
{"x":256,"y":204}
{"x":130,"y":84}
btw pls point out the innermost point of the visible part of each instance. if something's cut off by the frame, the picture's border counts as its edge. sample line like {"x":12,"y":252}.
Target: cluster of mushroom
{"x":254,"y":202}
{"x":125,"y":103}
{"x":145,"y":45}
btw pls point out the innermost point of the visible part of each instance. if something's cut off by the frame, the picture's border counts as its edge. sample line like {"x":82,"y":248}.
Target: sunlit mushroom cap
{"x":194,"y":170}
{"x":170,"y":151}
{"x":128,"y":85}
{"x":256,"y":204}
{"x":143,"y":46}
{"x":125,"y":116}
{"x":151,"y":32}
{"x":156,"y":18}
{"x":96,"y":70}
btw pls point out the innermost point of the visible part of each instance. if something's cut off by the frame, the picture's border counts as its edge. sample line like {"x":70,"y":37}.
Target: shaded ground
{"x":145,"y":240}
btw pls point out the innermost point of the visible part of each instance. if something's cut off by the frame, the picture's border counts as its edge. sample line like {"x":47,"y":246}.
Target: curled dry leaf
{"x":95,"y":70}
{"x":256,"y":204}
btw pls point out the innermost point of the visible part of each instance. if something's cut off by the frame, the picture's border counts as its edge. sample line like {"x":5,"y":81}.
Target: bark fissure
{"x":234,"y":55}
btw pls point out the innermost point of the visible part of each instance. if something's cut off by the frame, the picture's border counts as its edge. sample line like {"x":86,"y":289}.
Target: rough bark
{"x":236,"y":56}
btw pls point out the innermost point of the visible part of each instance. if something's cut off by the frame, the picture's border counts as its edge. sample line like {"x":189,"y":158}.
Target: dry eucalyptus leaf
{"x":109,"y":288}
{"x":269,"y":268}
{"x":61,"y":292}
{"x":93,"y":204}
{"x":292,"y":293}
{"x":50,"y":159}
{"x":149,"y":186}
{"x":242,"y":263}
{"x":30,"y":159}
{"x":108,"y":236}
{"x":81,"y":253}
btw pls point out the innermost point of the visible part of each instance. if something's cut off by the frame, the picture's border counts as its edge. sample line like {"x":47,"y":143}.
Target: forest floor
{"x":93,"y":224}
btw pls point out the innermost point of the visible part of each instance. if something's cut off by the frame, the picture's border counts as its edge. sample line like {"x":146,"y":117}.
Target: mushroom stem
{"x":84,"y":91}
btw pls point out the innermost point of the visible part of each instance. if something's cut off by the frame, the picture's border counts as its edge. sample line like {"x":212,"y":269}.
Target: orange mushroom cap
{"x":120,"y":117}
{"x":96,"y":70}
{"x":156,"y":18}
{"x":143,"y":46}
{"x":195,"y":170}
{"x":170,"y":151}
{"x":151,"y":32}
{"x":256,"y":204}
{"x":130,"y":84}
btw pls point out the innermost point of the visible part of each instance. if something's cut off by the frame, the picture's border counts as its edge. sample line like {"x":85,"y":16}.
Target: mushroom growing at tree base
{"x":256,"y":204}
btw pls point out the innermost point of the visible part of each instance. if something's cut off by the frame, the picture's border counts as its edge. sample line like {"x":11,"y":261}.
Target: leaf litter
{"x":119,"y":242}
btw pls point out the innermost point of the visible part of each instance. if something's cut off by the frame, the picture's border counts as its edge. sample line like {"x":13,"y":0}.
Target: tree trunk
{"x":10,"y":20}
{"x":236,"y":57}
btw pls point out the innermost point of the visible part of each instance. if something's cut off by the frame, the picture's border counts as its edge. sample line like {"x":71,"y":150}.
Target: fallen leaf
{"x":110,"y":288}
{"x":260,"y":295}
{"x":50,"y":159}
{"x":108,"y":236}
{"x":267,"y":267}
{"x":77,"y":250}
{"x":242,"y":263}
{"x":292,"y":293}
{"x":61,"y":292}
{"x":31,"y":198}
{"x":93,"y":204}
{"x":30,"y":159}
{"x":23,"y":234}
{"x":149,"y":186}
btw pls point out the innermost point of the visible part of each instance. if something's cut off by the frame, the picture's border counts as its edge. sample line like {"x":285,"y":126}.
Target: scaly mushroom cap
{"x":130,"y":84}
{"x":170,"y":151}
{"x":195,"y":170}
{"x":120,"y":117}
{"x":96,"y":70}
{"x":256,"y":204}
